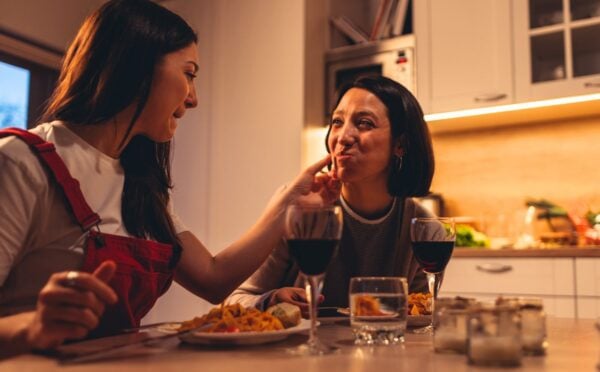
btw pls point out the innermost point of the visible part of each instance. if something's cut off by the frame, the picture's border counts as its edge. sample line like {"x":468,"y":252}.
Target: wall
{"x":491,"y":172}
{"x":53,"y":23}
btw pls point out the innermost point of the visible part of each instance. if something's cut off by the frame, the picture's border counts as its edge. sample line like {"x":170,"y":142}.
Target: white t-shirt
{"x":38,"y":233}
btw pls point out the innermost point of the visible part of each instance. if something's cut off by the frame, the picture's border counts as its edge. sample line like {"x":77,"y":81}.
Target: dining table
{"x":573,"y":345}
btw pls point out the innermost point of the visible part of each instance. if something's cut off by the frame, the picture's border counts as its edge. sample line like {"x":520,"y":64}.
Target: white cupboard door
{"x":588,"y":287}
{"x":556,"y":51}
{"x":464,"y":53}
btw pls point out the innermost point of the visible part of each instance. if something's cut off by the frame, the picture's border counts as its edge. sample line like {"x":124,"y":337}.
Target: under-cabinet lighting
{"x":511,"y":107}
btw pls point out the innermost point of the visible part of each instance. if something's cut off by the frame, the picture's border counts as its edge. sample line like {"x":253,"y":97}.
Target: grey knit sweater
{"x":379,"y":247}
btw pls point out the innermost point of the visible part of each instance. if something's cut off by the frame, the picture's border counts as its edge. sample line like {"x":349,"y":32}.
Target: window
{"x":28,"y":74}
{"x":14,"y":95}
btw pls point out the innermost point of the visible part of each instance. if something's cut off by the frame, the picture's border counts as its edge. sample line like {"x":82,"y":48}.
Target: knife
{"x":107,"y":351}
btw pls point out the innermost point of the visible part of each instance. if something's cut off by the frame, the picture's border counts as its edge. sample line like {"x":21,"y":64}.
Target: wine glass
{"x":432,"y":244}
{"x":313,"y":235}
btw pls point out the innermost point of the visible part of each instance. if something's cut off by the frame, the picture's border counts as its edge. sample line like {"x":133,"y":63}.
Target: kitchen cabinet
{"x":464,"y":55}
{"x":552,"y":279}
{"x":557,"y":48}
{"x":588,"y":287}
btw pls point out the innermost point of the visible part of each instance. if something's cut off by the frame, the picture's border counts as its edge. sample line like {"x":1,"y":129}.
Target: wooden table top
{"x":574,"y":345}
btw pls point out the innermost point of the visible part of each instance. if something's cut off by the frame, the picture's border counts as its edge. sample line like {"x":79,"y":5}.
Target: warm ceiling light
{"x":512,"y":107}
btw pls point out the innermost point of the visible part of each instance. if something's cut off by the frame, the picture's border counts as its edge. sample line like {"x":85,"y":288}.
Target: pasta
{"x":233,"y":318}
{"x":419,"y":304}
{"x":366,"y":305}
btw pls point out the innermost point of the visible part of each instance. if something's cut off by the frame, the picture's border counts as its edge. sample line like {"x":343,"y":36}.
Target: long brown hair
{"x":109,"y":66}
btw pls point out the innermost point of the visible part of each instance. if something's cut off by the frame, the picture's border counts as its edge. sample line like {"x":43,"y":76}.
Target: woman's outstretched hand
{"x":312,"y":187}
{"x":70,"y":306}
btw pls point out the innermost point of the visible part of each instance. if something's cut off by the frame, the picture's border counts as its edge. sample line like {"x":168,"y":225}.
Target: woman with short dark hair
{"x":88,"y":237}
{"x":382,"y":154}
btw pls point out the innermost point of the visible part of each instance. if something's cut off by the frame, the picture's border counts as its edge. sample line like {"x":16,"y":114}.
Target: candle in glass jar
{"x":533,"y":323}
{"x":494,"y":335}
{"x":451,"y":332}
{"x":451,"y":324}
{"x":494,"y":351}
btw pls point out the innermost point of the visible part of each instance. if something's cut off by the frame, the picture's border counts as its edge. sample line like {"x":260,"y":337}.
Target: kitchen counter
{"x":587,"y":251}
{"x":573,"y":346}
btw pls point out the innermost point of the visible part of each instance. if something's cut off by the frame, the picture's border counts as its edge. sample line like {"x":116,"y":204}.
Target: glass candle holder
{"x":451,"y":324}
{"x":533,"y":323}
{"x":494,"y":336}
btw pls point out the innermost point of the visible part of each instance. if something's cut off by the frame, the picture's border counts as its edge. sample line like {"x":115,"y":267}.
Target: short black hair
{"x":407,"y":125}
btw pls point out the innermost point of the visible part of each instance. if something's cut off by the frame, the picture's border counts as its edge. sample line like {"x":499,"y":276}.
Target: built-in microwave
{"x":393,"y":58}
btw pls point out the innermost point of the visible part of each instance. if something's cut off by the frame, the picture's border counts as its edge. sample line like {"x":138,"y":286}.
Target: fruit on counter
{"x":593,"y":218}
{"x":592,"y":234}
{"x":467,"y":236}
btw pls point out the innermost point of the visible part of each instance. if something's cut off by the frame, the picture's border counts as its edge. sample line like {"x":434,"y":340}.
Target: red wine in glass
{"x":433,"y":256}
{"x":313,"y":235}
{"x":432,"y":241}
{"x":313,"y":255}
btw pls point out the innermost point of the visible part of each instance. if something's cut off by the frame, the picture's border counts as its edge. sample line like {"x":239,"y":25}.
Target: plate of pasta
{"x":419,"y":309}
{"x":235,"y":325}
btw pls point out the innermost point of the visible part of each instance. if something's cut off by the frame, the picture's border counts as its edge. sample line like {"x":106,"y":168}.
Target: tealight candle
{"x":494,"y":336}
{"x":451,"y":324}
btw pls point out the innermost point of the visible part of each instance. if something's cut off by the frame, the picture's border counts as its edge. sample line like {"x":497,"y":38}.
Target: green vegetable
{"x":466,"y":236}
{"x":550,"y":209}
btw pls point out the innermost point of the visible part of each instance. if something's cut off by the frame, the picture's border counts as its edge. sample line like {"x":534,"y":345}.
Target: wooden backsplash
{"x":491,"y":172}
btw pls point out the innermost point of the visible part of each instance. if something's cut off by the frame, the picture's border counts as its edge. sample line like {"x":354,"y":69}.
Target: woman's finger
{"x":59,"y":296}
{"x":79,"y":316}
{"x":316,"y":167}
{"x":105,"y":271}
{"x":60,"y":331}
{"x":85,"y":281}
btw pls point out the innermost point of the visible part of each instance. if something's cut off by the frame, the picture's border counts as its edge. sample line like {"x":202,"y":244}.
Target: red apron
{"x":144,"y":268}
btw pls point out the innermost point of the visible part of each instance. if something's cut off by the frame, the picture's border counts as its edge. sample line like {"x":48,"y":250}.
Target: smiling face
{"x":171,"y":94}
{"x":360,"y":138}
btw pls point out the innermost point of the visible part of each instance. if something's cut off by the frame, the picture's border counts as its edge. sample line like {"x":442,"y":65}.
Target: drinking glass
{"x":378,"y":310}
{"x":313,"y":235}
{"x":432,"y":244}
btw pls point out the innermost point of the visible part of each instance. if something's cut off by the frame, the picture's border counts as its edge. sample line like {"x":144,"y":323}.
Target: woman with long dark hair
{"x":88,"y":237}
{"x":383,"y":157}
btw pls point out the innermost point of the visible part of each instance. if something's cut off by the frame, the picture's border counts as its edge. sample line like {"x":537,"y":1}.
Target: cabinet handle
{"x":490,"y":97}
{"x":494,"y":268}
{"x":592,"y":84}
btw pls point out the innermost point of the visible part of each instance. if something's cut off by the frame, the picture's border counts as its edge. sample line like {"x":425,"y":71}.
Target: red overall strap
{"x":47,"y":154}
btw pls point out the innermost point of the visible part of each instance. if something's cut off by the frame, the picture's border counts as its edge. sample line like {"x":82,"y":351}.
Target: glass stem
{"x":312,"y":292}
{"x":433,"y":280}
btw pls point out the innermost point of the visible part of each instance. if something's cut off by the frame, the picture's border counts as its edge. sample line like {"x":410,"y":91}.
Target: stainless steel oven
{"x":393,"y":58}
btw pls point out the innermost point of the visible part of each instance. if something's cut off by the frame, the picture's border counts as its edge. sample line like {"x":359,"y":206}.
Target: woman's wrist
{"x":276,"y":207}
{"x":14,"y":334}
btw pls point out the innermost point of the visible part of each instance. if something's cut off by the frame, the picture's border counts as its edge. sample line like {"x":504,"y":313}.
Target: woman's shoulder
{"x":16,"y":156}
{"x":414,"y":208}
{"x":11,"y":145}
